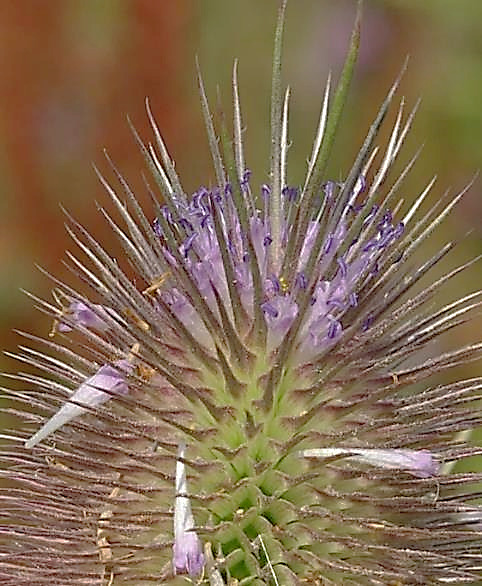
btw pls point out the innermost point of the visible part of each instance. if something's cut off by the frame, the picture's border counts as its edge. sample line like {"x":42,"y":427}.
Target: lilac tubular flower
{"x":280,"y":335}
{"x":82,"y":315}
{"x":188,"y":557}
{"x":417,"y":462}
{"x":90,"y":393}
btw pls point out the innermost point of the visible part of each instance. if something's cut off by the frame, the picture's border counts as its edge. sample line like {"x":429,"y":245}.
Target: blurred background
{"x":72,"y":71}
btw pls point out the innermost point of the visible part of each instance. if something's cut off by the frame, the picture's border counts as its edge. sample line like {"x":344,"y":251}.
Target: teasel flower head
{"x":259,"y":404}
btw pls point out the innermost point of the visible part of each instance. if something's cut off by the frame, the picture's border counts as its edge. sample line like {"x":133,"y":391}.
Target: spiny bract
{"x":251,"y":408}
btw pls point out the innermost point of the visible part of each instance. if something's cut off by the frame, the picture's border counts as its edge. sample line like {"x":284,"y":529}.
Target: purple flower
{"x":80,"y":314}
{"x":188,"y":556}
{"x":99,"y":388}
{"x":417,"y":462}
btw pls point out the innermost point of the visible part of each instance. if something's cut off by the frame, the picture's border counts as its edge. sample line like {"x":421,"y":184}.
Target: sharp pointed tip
{"x":398,"y":79}
{"x":404,"y":68}
{"x":469,"y":185}
{"x":149,"y":110}
{"x":64,"y":210}
{"x":198,"y":71}
{"x":357,"y":26}
{"x":359,"y":11}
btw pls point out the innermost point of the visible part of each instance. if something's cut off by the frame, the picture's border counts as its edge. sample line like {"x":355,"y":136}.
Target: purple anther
{"x":216,"y":194}
{"x":370,"y":245}
{"x":267,"y":240}
{"x":290,"y":193}
{"x":157,"y":227}
{"x":357,"y":208}
{"x":387,"y":237}
{"x":269,"y":309}
{"x":301,"y":281}
{"x":353,"y":299}
{"x":373,"y":212}
{"x":328,"y":243}
{"x":228,"y":189}
{"x":265,"y":190}
{"x":187,"y":244}
{"x":399,"y":230}
{"x":387,"y":217}
{"x":231,"y":247}
{"x":342,"y":266}
{"x":275,"y":283}
{"x":334,"y":329}
{"x":167,"y":214}
{"x":334,"y":302}
{"x":363,"y":183}
{"x":186,"y":224}
{"x":204,"y":200}
{"x":244,"y":183}
{"x":195,"y":199}
{"x":204,"y":220}
{"x":367,"y":323}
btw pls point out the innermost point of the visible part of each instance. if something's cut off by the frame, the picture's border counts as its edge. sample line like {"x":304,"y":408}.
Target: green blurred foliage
{"x":71,"y":71}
